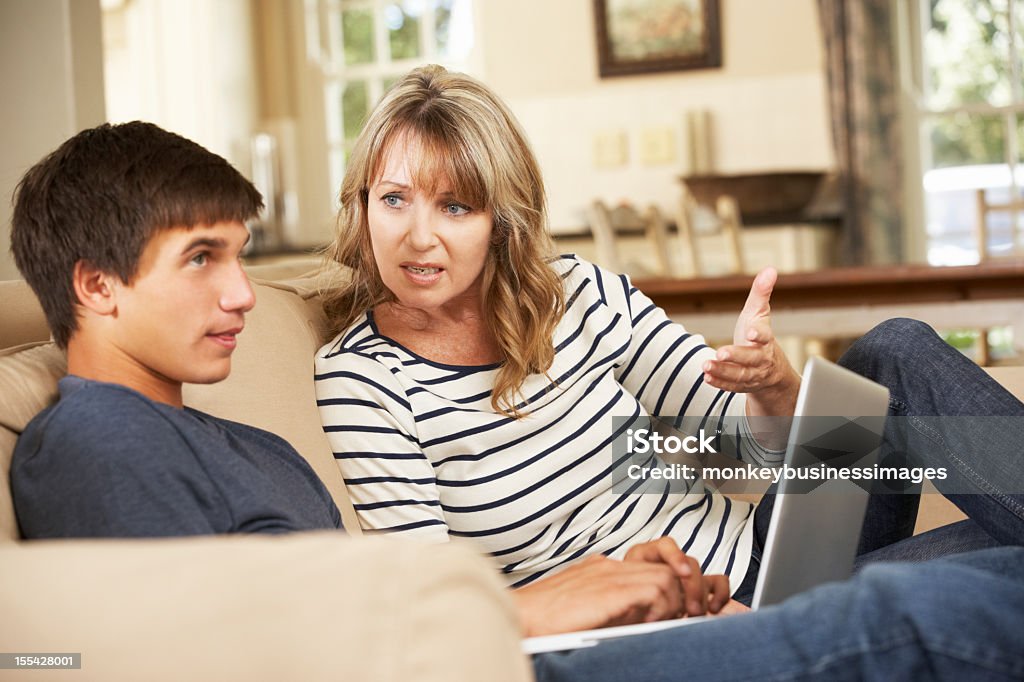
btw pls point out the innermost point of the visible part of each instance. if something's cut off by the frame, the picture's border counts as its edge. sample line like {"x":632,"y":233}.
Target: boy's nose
{"x":238,"y":294}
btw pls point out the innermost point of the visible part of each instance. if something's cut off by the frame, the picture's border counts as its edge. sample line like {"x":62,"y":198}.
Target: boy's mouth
{"x":227,"y":338}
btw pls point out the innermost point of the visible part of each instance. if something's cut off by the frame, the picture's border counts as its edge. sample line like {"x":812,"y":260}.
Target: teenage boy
{"x":130,"y":236}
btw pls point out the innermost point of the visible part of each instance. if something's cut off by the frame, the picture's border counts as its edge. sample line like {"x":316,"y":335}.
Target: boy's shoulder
{"x":105,"y":414}
{"x":95,"y":417}
{"x":82,"y":401}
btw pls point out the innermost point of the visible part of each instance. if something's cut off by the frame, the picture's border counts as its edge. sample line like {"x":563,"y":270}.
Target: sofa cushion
{"x":307,"y":606}
{"x":29,"y":375}
{"x":28,"y":383}
{"x":270,"y":387}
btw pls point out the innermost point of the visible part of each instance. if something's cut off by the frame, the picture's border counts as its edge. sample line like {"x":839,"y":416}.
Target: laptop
{"x":815,"y":526}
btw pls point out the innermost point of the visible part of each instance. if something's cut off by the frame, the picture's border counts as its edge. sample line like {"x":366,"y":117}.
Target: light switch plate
{"x":610,"y":149}
{"x":657,"y":146}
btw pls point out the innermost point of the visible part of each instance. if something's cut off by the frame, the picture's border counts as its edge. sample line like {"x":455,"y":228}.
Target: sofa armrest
{"x":309,"y":606}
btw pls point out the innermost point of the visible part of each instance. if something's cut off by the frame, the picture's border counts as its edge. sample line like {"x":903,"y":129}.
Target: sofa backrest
{"x":271,"y":382}
{"x":22,"y":317}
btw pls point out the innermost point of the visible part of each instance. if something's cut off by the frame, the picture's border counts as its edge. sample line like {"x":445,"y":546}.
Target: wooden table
{"x":849,"y":301}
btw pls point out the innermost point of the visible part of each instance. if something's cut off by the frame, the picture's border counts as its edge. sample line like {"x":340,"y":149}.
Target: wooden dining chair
{"x":727,"y":231}
{"x":603,"y":233}
{"x":984,"y":208}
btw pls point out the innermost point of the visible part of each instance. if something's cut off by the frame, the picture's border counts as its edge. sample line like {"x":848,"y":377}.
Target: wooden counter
{"x":899,"y":285}
{"x":844,"y":302}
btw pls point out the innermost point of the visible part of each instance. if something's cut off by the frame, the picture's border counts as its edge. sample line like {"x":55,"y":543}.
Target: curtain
{"x":863,"y":84}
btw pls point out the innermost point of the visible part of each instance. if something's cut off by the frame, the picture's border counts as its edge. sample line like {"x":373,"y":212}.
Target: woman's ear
{"x":94,"y":288}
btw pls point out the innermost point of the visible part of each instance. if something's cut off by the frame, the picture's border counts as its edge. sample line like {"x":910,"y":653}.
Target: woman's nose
{"x":423,"y":230}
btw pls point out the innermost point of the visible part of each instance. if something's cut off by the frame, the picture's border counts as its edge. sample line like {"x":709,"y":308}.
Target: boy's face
{"x":177,"y":322}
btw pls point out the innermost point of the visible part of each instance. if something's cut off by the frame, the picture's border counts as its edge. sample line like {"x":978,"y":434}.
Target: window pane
{"x":967,"y":139}
{"x":968,"y":159}
{"x":354,"y":107}
{"x":1020,"y":141}
{"x":453,"y":28}
{"x":1018,"y":18}
{"x":403,"y":22}
{"x":1019,"y":176}
{"x":357,"y":33}
{"x":958,"y":201}
{"x":967,"y":53}
{"x":333,"y":104}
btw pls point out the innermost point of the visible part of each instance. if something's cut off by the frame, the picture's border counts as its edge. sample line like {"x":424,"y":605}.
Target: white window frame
{"x":912,"y":21}
{"x":324,"y":47}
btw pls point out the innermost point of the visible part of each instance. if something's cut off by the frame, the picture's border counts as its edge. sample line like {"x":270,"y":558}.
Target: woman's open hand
{"x":754,"y":363}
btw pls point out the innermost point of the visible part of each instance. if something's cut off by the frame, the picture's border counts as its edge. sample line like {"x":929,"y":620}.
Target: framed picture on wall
{"x":647,"y":36}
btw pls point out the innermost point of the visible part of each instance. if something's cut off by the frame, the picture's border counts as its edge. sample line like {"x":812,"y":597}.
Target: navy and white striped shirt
{"x":424,"y":454}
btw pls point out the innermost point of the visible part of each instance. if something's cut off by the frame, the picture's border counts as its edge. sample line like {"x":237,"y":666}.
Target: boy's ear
{"x":94,"y":288}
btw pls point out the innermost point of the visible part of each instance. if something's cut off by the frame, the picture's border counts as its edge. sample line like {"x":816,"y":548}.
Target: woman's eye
{"x":391,"y":200}
{"x":199,"y":258}
{"x":456,"y":209}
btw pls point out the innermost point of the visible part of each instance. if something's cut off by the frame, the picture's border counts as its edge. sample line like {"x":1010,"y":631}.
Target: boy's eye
{"x":456,"y":209}
{"x":199,"y":259}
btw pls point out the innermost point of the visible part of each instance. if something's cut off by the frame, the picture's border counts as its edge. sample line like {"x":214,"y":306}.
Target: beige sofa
{"x":312,"y":606}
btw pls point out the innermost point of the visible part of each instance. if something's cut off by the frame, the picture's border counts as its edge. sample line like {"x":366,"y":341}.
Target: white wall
{"x":767,"y":102}
{"x":51,"y":76}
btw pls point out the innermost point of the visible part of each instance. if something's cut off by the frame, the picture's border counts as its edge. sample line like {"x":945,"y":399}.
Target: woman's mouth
{"x":422,"y":274}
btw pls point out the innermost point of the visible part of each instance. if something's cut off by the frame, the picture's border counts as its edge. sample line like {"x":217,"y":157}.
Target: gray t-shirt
{"x":106,"y":461}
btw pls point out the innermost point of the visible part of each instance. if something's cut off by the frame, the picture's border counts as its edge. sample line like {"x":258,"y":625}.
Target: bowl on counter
{"x":762,"y":196}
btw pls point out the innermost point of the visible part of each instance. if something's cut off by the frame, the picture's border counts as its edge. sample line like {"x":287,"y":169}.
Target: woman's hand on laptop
{"x":703,"y":593}
{"x":653,"y":583}
{"x":732,"y":608}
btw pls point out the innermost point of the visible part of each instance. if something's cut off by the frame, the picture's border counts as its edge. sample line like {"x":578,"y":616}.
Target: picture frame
{"x":651,"y":36}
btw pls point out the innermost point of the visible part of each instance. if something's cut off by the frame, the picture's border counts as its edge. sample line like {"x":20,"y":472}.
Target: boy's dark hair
{"x":102,"y":195}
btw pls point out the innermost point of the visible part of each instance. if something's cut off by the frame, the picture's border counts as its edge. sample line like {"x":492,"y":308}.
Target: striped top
{"x":424,"y":454}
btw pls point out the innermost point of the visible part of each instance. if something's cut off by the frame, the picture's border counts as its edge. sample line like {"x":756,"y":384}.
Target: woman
{"x":471,"y":386}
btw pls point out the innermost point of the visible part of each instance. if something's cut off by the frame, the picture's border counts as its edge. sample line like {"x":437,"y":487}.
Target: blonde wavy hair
{"x":470,"y":139}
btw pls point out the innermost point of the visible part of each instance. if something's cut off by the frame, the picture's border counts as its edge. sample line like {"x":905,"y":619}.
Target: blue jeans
{"x":926,"y":377}
{"x":956,"y":618}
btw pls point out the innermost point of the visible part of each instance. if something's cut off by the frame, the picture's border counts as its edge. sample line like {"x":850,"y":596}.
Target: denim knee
{"x":903,"y":328}
{"x":888,"y":345}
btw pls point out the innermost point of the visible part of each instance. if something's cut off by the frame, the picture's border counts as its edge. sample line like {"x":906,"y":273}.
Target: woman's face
{"x":430,"y":249}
